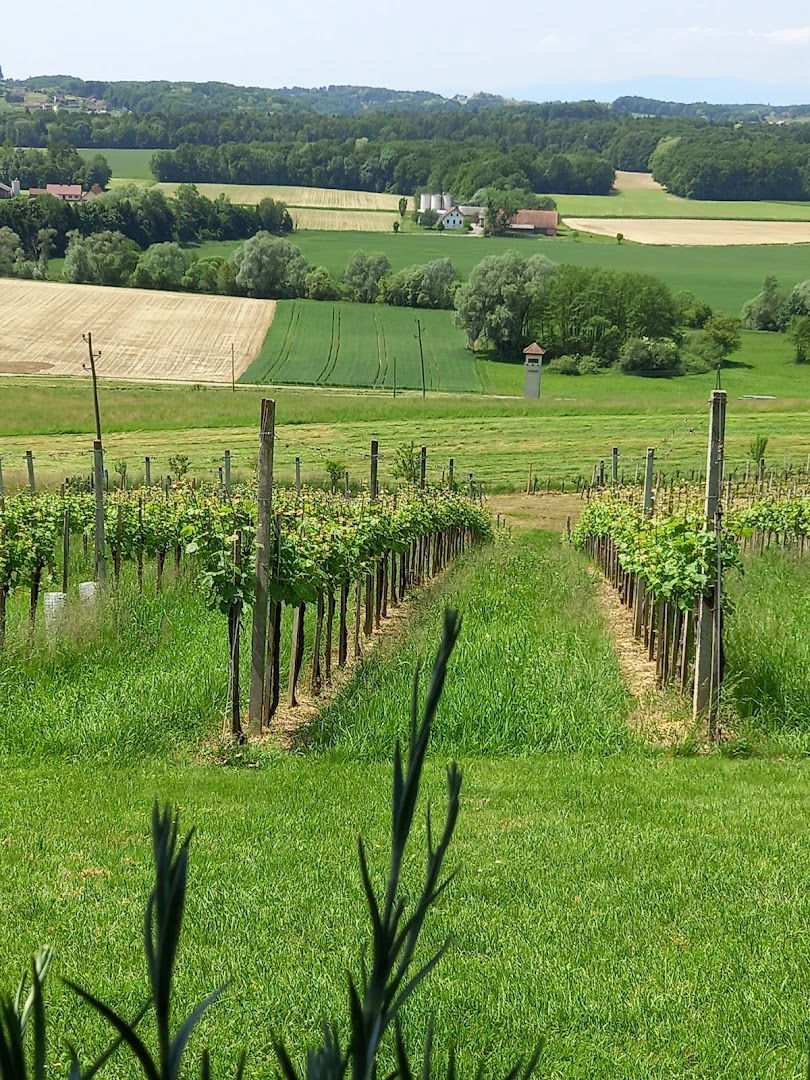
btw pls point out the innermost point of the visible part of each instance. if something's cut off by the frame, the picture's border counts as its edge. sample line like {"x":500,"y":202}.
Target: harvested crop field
{"x":141,"y":334}
{"x":324,"y":198}
{"x":695,"y":232}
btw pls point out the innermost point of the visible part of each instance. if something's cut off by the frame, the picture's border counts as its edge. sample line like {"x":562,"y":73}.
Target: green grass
{"x":641,"y":203}
{"x":131,"y":165}
{"x":343,"y":344}
{"x":540,"y":669}
{"x":768,"y":649}
{"x":575,"y":423}
{"x":725,"y":276}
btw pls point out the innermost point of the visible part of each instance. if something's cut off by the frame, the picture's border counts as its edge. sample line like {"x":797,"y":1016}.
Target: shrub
{"x":762,"y":312}
{"x":564,"y":365}
{"x":645,"y":356}
{"x":590,"y":365}
{"x":692,"y":311}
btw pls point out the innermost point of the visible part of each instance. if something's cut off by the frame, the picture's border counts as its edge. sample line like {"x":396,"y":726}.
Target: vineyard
{"x":332,"y":551}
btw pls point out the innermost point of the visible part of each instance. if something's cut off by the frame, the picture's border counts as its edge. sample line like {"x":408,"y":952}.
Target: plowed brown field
{"x":141,"y":334}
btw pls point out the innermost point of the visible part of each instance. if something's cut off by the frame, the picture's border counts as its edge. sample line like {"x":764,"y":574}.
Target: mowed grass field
{"x":573,"y":425}
{"x":125,"y":164}
{"x":636,"y":195}
{"x":368,"y":345}
{"x":142,"y":334}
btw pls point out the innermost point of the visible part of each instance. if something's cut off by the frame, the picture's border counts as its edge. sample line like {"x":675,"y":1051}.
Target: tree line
{"x":60,"y":163}
{"x":142,"y":215}
{"x":744,"y":163}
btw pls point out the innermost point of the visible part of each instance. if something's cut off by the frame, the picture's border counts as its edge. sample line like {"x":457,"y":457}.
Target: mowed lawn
{"x":125,"y":164}
{"x":369,"y":345}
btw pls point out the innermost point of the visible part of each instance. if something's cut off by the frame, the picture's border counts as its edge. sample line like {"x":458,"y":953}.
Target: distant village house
{"x":543,"y":222}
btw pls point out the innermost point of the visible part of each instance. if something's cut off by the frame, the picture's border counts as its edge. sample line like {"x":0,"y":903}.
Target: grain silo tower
{"x":424,"y":202}
{"x":447,"y":201}
{"x":436,"y":203}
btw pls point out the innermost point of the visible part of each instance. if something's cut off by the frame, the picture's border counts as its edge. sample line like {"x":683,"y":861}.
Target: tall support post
{"x":373,"y":482}
{"x":98,"y":489}
{"x":421,"y":354}
{"x":451,"y":479}
{"x":264,"y":554}
{"x":602,"y":473}
{"x":227,"y":472}
{"x":422,"y":467}
{"x":29,"y":461}
{"x":706,"y":693}
{"x":298,"y":474}
{"x":1,"y":476}
{"x":614,"y":466}
{"x":147,"y":474}
{"x":649,"y":470}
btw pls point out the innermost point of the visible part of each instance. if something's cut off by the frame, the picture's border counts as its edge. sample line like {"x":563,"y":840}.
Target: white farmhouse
{"x":452,"y":218}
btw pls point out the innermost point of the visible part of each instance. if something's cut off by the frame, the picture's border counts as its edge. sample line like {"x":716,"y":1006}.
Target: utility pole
{"x":707,"y":639}
{"x":421,"y":353}
{"x":98,"y":468}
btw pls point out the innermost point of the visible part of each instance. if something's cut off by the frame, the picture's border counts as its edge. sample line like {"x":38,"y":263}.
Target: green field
{"x":725,"y":276}
{"x":574,"y":424}
{"x":640,"y":912}
{"x":643,"y":203}
{"x":342,"y":344}
{"x":125,"y":164}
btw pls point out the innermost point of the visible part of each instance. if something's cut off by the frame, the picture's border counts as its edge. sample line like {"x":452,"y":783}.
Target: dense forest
{"x":749,"y":163}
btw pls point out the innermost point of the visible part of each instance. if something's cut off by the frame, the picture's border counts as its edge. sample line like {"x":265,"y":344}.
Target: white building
{"x":452,"y":218}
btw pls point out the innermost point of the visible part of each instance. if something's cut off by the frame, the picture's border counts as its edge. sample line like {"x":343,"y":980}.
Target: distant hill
{"x":645,"y":106}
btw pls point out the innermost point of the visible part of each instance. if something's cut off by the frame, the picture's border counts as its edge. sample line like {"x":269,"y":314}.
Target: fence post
{"x":649,"y":469}
{"x":601,"y":473}
{"x":147,"y":476}
{"x":298,"y":474}
{"x":705,"y":693}
{"x":451,"y":469}
{"x":29,"y":461}
{"x":227,"y":472}
{"x":614,"y":466}
{"x":422,"y":467}
{"x":264,"y":522}
{"x":1,"y":476}
{"x":98,"y":488}
{"x":372,"y":480}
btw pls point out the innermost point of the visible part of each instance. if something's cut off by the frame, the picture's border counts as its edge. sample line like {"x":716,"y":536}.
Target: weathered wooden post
{"x":646,"y":508}
{"x":1,"y":476}
{"x":614,"y":466}
{"x":451,"y":469}
{"x":264,"y":522}
{"x":601,"y":473}
{"x":226,"y":476}
{"x":422,"y":467}
{"x":147,"y":474}
{"x":533,"y":363}
{"x":298,"y":474}
{"x":373,"y":478}
{"x":705,"y":698}
{"x":29,"y":461}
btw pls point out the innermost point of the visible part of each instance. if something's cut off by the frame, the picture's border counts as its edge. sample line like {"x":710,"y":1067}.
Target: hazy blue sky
{"x":524,"y":47}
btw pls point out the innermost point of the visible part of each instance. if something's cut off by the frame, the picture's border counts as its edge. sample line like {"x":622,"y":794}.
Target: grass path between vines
{"x":659,"y":715}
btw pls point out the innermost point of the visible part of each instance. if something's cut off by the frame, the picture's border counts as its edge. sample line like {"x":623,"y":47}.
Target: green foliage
{"x":320,"y":285}
{"x":692,"y":311}
{"x":799,"y":333}
{"x":757,"y":448}
{"x":364,"y":275}
{"x":428,"y":218}
{"x":105,"y":258}
{"x":429,"y":286}
{"x":722,"y":332}
{"x":269,"y":267}
{"x":798,"y":303}
{"x":162,"y":266}
{"x":273,"y":216}
{"x":407,"y":463}
{"x":644,"y":356}
{"x":762,"y":312}
{"x":203,"y":275}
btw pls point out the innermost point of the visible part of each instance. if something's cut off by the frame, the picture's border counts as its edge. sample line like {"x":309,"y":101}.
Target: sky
{"x":730,"y":48}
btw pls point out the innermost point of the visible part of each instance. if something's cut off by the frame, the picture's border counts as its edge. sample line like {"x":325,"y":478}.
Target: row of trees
{"x":777,"y":310}
{"x":744,"y":163}
{"x":143,"y":215}
{"x":366,"y":165}
{"x":59,"y":164}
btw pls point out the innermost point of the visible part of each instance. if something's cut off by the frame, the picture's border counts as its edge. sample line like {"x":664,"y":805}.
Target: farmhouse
{"x":65,"y":192}
{"x":535,"y":221}
{"x":452,"y":218}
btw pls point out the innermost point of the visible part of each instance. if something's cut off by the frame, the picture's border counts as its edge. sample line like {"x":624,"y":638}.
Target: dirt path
{"x":657,"y":714}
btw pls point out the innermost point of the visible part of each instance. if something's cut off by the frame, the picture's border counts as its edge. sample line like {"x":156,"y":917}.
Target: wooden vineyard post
{"x":65,"y":548}
{"x":614,"y":466}
{"x":296,"y":652}
{"x":147,"y":472}
{"x":264,"y":519}
{"x":330,"y":622}
{"x":422,"y":467}
{"x":646,"y":504}
{"x":227,"y":472}
{"x":451,"y":468}
{"x":298,"y":474}
{"x":343,"y":630}
{"x":234,"y":622}
{"x":98,"y":489}
{"x":373,"y":471}
{"x":707,"y":642}
{"x":1,"y":477}
{"x":317,"y":676}
{"x":29,"y":461}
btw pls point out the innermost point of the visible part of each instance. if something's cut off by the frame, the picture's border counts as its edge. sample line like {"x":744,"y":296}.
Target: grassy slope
{"x":642,"y":913}
{"x":576,"y":422}
{"x":130,"y":165}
